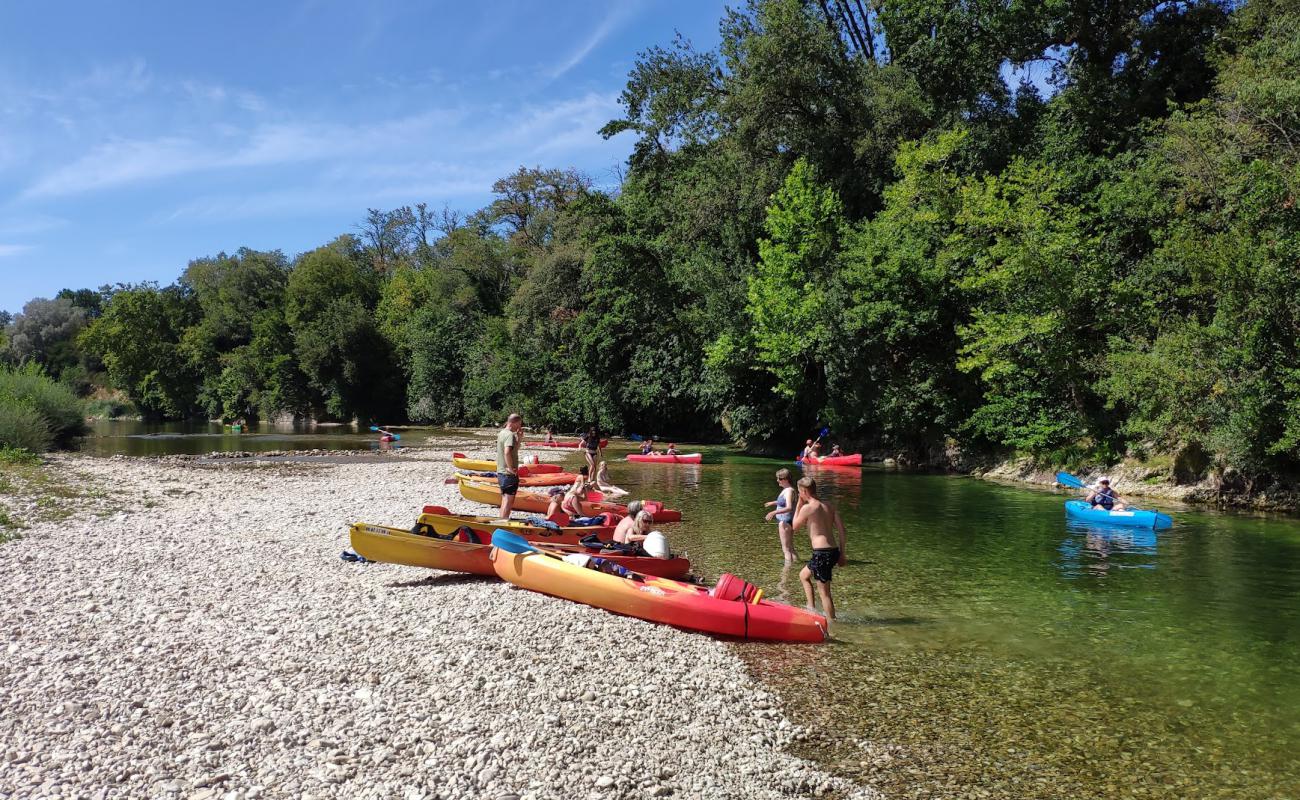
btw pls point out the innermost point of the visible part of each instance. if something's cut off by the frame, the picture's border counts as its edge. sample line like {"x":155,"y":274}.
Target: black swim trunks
{"x":822,"y":562}
{"x":509,"y":483}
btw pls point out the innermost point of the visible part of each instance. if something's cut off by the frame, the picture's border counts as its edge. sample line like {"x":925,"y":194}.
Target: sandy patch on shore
{"x":204,"y":640}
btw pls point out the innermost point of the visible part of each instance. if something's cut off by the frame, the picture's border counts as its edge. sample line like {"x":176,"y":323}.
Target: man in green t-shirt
{"x":508,"y":444}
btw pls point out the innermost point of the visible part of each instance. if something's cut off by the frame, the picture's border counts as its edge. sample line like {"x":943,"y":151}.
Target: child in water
{"x":784,"y":514}
{"x":820,"y":518}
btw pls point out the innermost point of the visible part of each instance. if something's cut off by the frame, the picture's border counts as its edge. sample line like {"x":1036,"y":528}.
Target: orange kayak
{"x":396,"y":546}
{"x":549,"y":479}
{"x":485,"y":465}
{"x":490,"y":494}
{"x":731,"y":608}
{"x":443,"y":522}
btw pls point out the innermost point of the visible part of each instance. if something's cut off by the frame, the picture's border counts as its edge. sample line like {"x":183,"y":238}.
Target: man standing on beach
{"x":508,"y":444}
{"x":820,"y":518}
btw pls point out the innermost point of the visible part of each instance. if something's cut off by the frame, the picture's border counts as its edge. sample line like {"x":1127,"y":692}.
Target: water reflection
{"x":1096,"y":550}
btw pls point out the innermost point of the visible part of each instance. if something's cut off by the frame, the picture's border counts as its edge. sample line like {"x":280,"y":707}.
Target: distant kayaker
{"x":1104,"y":496}
{"x":836,"y":451}
{"x":508,"y":442}
{"x":806,"y":451}
{"x":550,"y":435}
{"x":821,"y":519}
{"x":784,"y":514}
{"x":591,"y":448}
{"x":647,"y":447}
{"x":671,"y":451}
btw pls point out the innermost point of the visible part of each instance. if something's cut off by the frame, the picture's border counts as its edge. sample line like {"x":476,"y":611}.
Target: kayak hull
{"x":461,"y":461}
{"x":445,"y":523}
{"x":490,"y":494}
{"x":396,"y":546}
{"x":670,"y":602}
{"x":854,"y":460}
{"x":549,"y":479}
{"x":1136,"y":518}
{"x":664,"y":458}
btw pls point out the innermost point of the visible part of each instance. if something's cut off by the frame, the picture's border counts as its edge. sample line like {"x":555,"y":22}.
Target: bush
{"x":23,"y":428}
{"x":56,"y":406}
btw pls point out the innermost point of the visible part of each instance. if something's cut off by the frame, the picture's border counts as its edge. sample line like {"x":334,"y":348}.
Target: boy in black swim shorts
{"x":820,"y":518}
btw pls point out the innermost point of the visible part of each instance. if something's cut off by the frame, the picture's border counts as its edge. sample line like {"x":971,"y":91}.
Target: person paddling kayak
{"x":1102,"y":495}
{"x":647,"y":447}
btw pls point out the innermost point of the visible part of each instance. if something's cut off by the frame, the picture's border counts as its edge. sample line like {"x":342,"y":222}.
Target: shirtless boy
{"x":820,"y":518}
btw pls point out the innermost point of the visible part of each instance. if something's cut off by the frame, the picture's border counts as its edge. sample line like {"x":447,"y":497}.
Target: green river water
{"x":988,"y":648}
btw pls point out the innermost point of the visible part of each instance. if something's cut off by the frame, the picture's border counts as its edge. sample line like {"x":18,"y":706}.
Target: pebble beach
{"x":194,"y":634}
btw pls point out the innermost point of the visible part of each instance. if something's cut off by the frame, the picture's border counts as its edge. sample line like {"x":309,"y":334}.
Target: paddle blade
{"x":374,"y":427}
{"x":1066,"y":479}
{"x":511,"y":542}
{"x":458,"y":455}
{"x":397,"y":437}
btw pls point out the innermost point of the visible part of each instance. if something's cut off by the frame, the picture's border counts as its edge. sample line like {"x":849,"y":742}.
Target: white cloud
{"x":7,"y":250}
{"x":621,"y":12}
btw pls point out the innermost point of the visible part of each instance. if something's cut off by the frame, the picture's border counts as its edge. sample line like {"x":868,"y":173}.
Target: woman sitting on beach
{"x":572,"y":501}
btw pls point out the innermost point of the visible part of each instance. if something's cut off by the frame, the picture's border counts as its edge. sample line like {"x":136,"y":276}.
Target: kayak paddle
{"x":1066,"y":479}
{"x":511,"y":543}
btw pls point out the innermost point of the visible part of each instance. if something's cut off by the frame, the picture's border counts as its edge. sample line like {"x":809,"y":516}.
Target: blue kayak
{"x":1133,"y":518}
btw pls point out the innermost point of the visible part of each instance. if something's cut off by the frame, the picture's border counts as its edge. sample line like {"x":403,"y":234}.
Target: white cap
{"x":1104,"y":479}
{"x":656,"y":544}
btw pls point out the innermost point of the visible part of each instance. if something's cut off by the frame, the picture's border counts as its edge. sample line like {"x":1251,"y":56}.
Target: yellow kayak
{"x":461,"y":461}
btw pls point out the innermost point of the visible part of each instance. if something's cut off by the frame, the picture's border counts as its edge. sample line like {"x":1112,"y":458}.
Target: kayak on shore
{"x":854,"y":460}
{"x":490,"y":494}
{"x":1130,"y":518}
{"x":664,"y":458}
{"x":571,"y":445}
{"x":459,"y":553}
{"x":548,"y":479}
{"x":444,"y":523}
{"x":462,"y":461}
{"x":731,"y":608}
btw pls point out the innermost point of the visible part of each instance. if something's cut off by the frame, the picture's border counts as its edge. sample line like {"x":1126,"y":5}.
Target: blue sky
{"x":135,"y":137}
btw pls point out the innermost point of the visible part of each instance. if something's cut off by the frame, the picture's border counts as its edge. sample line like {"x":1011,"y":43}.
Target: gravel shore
{"x":202,"y":639}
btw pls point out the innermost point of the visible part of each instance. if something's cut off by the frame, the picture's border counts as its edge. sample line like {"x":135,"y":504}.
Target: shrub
{"x":57,"y":406}
{"x":23,"y":428}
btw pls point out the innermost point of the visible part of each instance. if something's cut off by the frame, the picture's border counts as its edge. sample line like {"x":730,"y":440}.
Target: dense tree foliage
{"x":1066,"y":229}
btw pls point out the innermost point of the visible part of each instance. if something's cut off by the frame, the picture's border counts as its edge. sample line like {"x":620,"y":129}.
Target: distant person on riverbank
{"x":820,"y":518}
{"x":783,"y":513}
{"x":508,"y":443}
{"x":591,"y":448}
{"x":550,"y":435}
{"x":1104,"y":496}
{"x":604,"y":484}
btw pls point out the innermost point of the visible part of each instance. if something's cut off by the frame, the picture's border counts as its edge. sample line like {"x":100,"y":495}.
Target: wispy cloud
{"x":7,"y":250}
{"x":619,"y":14}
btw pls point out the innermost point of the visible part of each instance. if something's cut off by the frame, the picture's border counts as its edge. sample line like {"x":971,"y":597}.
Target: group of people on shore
{"x":797,"y":507}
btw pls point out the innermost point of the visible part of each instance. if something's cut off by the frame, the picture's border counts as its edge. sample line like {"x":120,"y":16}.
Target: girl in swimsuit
{"x":783,"y":513}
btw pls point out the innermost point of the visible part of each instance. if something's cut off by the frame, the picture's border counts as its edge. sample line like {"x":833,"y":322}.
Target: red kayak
{"x":571,"y":445}
{"x":664,"y":458}
{"x":854,"y":460}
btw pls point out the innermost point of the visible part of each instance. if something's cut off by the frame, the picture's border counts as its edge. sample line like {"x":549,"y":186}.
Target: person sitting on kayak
{"x":806,"y":451}
{"x":634,"y":528}
{"x":571,"y":502}
{"x":1104,"y":496}
{"x":671,"y":451}
{"x":836,"y":451}
{"x":647,"y":447}
{"x":550,"y":435}
{"x":821,"y":519}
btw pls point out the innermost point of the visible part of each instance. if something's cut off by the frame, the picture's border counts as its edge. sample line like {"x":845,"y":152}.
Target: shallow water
{"x":987,"y":645}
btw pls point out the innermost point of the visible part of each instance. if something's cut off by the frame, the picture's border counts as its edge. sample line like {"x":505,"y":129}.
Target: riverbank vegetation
{"x":1033,"y":228}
